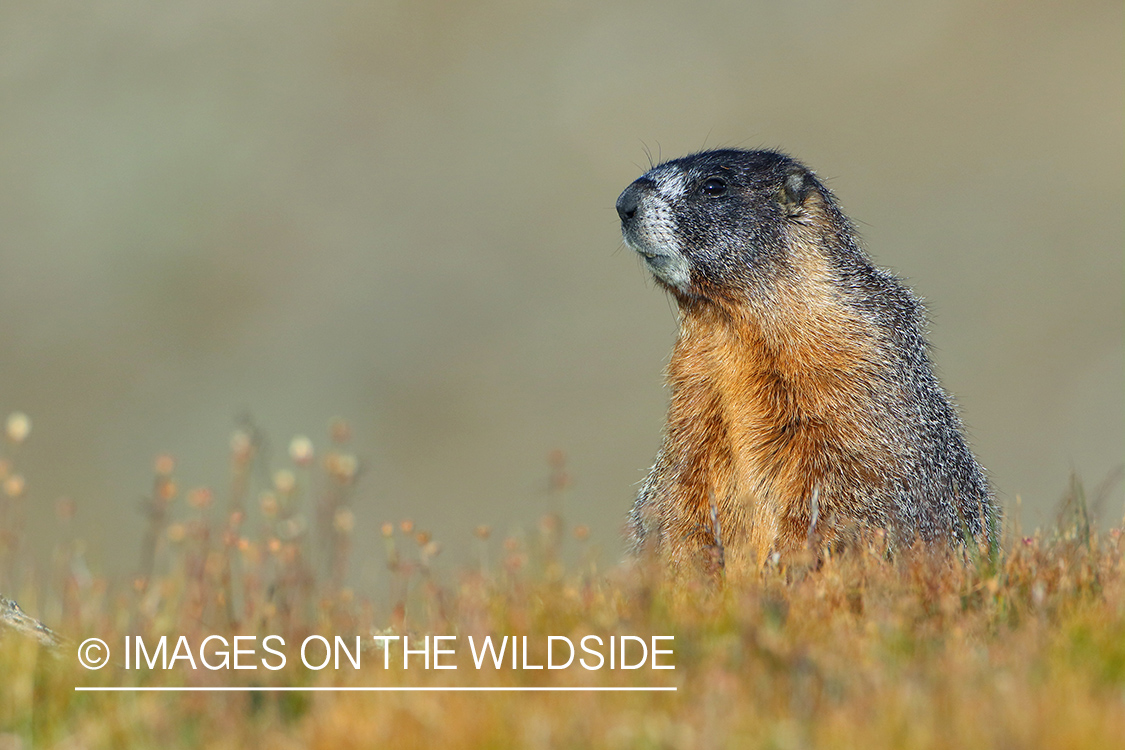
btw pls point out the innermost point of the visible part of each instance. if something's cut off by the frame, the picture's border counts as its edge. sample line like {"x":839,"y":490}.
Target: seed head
{"x":200,"y":498}
{"x":343,"y":466}
{"x":284,"y":481}
{"x":18,"y":427}
{"x":164,"y":465}
{"x":241,"y":446}
{"x":344,"y":521}
{"x":269,"y":504}
{"x":14,"y":486}
{"x":301,"y":450}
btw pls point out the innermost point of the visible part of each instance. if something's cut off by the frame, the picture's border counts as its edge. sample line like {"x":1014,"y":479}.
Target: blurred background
{"x":401,"y":213}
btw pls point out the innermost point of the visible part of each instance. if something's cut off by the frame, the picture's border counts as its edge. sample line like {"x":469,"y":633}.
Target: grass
{"x":1023,"y":649}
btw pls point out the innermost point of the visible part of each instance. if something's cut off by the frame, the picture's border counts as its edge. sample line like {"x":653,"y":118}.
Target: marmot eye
{"x":713,"y":187}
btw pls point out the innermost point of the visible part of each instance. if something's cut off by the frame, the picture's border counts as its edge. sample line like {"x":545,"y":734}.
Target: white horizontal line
{"x":371,"y":689}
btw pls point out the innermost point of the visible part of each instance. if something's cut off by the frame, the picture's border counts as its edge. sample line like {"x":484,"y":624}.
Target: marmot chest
{"x":763,"y":419}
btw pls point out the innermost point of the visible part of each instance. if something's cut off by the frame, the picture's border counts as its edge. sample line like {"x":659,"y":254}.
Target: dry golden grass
{"x":1023,"y":649}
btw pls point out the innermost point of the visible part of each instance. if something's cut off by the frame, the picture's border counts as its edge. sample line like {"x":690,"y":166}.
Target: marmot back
{"x":803,"y":399}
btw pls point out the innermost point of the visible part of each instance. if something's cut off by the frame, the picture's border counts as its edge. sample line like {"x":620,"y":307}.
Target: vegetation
{"x":1024,"y":648}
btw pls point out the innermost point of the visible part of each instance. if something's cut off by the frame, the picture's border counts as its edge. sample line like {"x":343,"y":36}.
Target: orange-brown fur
{"x":758,"y":415}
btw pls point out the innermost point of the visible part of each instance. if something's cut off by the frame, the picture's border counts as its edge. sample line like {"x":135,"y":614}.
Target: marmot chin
{"x":804,"y":405}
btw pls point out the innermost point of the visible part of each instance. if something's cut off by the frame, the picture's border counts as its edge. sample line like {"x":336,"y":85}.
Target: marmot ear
{"x":794,"y":189}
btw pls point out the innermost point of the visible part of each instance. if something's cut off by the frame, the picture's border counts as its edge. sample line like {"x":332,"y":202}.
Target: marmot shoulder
{"x":803,"y":398}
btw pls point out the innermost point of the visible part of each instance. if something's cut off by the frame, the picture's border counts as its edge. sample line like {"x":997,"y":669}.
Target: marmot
{"x":803,"y":401}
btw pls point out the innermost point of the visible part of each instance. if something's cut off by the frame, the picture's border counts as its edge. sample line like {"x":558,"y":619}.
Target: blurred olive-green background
{"x":402,"y":213}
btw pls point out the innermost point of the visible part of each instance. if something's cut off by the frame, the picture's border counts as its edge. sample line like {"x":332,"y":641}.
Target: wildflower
{"x":14,"y":486}
{"x":200,"y":498}
{"x":269,"y":504}
{"x":348,"y":465}
{"x":284,"y":481}
{"x":165,"y":465}
{"x":18,"y":426}
{"x":241,"y":446}
{"x":166,"y":489}
{"x":301,"y":450}
{"x":343,"y":466}
{"x":344,"y":521}
{"x":380,"y":639}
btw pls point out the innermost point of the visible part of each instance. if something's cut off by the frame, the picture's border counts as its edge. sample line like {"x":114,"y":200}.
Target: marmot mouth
{"x":650,"y":253}
{"x":654,"y":258}
{"x":645,"y":251}
{"x":669,"y":267}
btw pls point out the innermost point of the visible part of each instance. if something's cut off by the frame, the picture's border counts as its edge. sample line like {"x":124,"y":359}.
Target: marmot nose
{"x":628,"y":202}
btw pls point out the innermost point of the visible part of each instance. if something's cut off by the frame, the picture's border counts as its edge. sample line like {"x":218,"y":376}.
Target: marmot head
{"x":720,"y":221}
